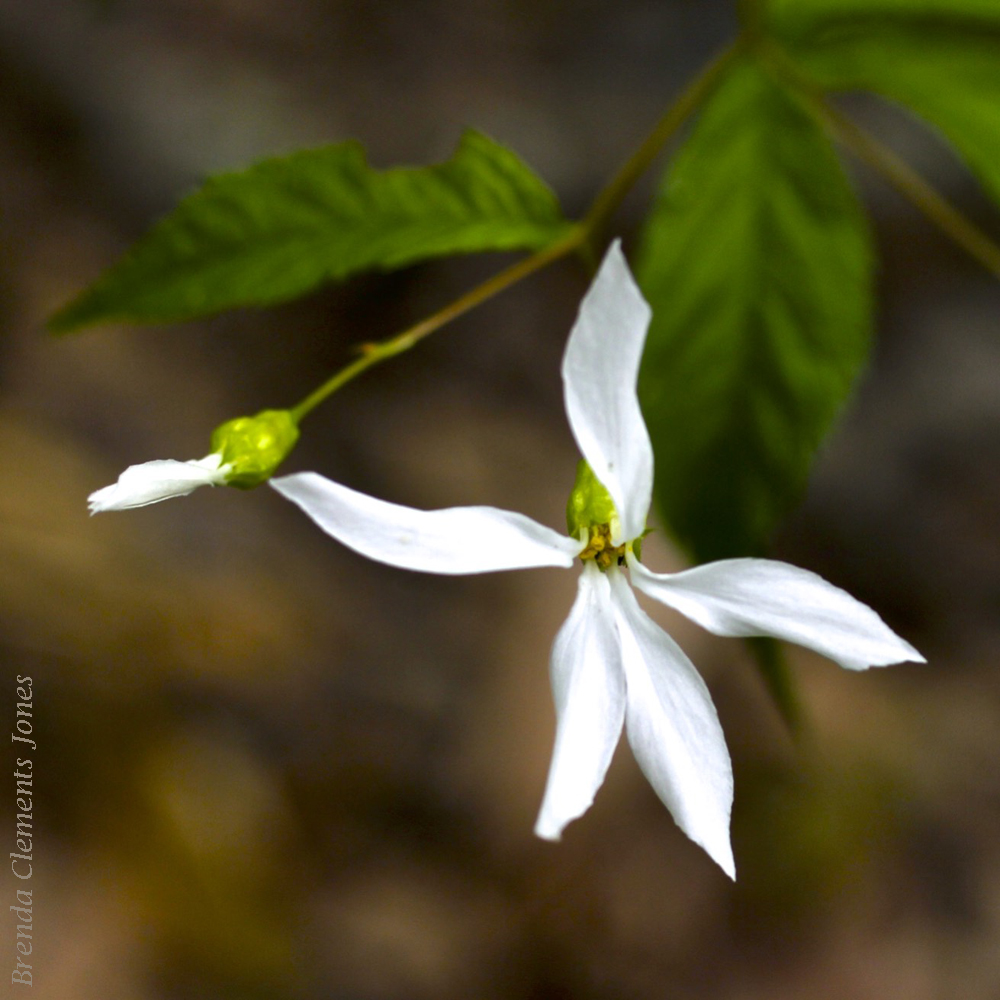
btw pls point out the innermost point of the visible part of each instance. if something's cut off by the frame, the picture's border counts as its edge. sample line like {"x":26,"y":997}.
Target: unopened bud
{"x":254,"y":447}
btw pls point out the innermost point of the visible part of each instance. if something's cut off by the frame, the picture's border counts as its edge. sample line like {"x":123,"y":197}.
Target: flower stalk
{"x":691,"y":98}
{"x":375,"y":353}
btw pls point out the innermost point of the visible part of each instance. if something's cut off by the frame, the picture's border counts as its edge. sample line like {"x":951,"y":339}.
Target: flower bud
{"x":254,"y":447}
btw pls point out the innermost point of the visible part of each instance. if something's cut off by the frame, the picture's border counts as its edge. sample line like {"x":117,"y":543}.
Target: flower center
{"x":600,"y":549}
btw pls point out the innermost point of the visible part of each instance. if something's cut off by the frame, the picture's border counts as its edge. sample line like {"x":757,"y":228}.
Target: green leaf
{"x":756,"y":261}
{"x":796,"y":18}
{"x":940,"y":58}
{"x":286,"y":225}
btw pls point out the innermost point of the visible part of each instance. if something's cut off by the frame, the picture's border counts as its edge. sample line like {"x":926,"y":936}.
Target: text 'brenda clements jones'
{"x":21,"y":859}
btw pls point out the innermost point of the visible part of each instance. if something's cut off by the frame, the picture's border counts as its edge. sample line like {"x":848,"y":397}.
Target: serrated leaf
{"x":286,"y":225}
{"x":940,"y":58}
{"x":756,"y":261}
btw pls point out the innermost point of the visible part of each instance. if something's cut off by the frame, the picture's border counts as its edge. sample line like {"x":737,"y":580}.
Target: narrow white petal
{"x":673,"y":728}
{"x":600,"y":369}
{"x":588,"y":686}
{"x":452,"y":541}
{"x":151,"y":482}
{"x":741,"y":597}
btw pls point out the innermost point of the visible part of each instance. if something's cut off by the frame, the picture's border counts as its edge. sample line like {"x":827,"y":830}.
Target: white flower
{"x":152,"y":482}
{"x":611,"y":665}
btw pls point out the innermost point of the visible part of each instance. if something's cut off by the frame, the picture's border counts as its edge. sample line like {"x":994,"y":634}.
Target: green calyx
{"x":254,"y":446}
{"x":590,"y":504}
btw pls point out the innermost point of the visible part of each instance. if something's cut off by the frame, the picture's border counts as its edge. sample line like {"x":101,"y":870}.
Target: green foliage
{"x":756,"y":262}
{"x":284,"y":226}
{"x":798,"y":18}
{"x":941,"y":58}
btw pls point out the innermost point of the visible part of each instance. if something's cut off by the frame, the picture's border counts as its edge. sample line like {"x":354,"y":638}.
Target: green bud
{"x":255,"y":446}
{"x":590,"y":503}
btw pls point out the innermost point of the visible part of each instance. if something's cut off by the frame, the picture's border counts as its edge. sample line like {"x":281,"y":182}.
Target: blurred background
{"x":267,"y":768}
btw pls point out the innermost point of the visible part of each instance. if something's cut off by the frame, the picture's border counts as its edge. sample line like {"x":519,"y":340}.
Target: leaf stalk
{"x":912,"y":186}
{"x":891,"y":167}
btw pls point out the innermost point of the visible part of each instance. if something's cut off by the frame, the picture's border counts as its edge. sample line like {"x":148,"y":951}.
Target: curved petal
{"x":151,"y":482}
{"x":599,"y":370}
{"x":588,"y":687}
{"x":673,"y":728}
{"x":453,"y":541}
{"x":741,"y":597}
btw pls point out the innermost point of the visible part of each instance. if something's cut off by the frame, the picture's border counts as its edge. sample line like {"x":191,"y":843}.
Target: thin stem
{"x":890,"y":166}
{"x":690,"y":99}
{"x":912,"y":186}
{"x":581,"y":236}
{"x":373,"y":354}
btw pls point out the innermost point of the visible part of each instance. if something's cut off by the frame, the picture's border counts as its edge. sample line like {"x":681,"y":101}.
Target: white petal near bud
{"x":459,"y":540}
{"x":151,"y":482}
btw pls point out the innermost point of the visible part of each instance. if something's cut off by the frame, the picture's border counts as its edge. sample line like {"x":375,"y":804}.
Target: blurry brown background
{"x":268,"y":768}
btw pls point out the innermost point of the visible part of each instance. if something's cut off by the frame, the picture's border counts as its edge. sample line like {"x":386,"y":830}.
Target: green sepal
{"x":255,"y":446}
{"x":637,"y":543}
{"x":589,"y":502}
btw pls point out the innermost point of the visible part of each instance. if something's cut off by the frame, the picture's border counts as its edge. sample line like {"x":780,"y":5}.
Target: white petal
{"x":673,"y":728}
{"x":741,"y":597}
{"x":599,"y":370}
{"x":588,"y":686}
{"x":456,"y":540}
{"x":152,"y":482}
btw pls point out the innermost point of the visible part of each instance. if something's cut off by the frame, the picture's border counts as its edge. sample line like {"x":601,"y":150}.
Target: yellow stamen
{"x":600,"y":549}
